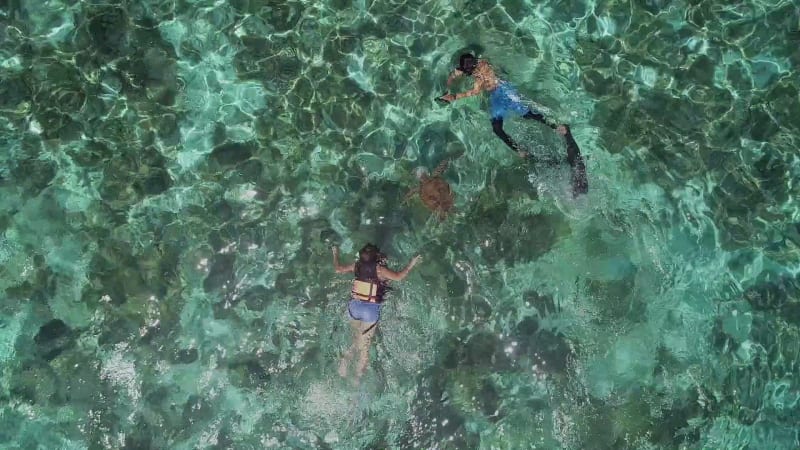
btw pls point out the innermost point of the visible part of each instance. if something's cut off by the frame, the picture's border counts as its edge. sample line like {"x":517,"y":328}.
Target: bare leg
{"x":355,"y":326}
{"x":364,"y":341}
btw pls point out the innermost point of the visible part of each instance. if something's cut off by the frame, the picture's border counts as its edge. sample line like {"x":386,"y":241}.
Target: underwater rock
{"x":197,"y":410}
{"x":544,"y":304}
{"x":53,"y":338}
{"x":257,"y":298}
{"x":479,"y":351}
{"x":776,"y":294}
{"x":57,"y":125}
{"x":140,"y":437}
{"x":667,"y":430}
{"x":220,"y":273}
{"x":119,"y":195}
{"x":150,"y":156}
{"x":434,"y":421}
{"x":772,"y":168}
{"x":535,"y":235}
{"x":248,"y":373}
{"x":93,"y":154}
{"x":116,"y":273}
{"x":220,"y":134}
{"x":549,"y":350}
{"x":34,"y":175}
{"x":615,"y":300}
{"x":301,"y":94}
{"x":486,"y":216}
{"x":156,"y":72}
{"x":116,"y":330}
{"x":225,"y":237}
{"x":247,"y":61}
{"x":345,"y":117}
{"x":527,"y":327}
{"x":248,"y":172}
{"x":108,"y":30}
{"x":232,"y":153}
{"x":184,"y":356}
{"x":35,"y":382}
{"x":761,"y":125}
{"x":283,"y":16}
{"x":785,"y":109}
{"x":667,"y":364}
{"x":596,"y":83}
{"x":14,"y":91}
{"x":222,"y":212}
{"x":780,"y":347}
{"x":282,"y":70}
{"x":700,"y":72}
{"x":339,"y":45}
{"x":154,"y":183}
{"x":473,"y":392}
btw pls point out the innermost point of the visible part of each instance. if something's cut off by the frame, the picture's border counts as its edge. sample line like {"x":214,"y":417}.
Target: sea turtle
{"x":434,"y":191}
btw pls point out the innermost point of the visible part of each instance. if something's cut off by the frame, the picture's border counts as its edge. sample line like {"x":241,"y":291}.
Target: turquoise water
{"x":174,"y":173}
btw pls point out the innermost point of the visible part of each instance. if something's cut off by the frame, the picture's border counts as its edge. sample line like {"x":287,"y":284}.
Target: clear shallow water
{"x":173,"y":174}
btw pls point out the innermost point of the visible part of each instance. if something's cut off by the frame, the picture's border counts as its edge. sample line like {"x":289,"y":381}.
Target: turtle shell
{"x":435,"y":193}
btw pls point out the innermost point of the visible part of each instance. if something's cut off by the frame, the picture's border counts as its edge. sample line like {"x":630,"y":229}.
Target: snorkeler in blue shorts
{"x":505,"y":101}
{"x":366,"y":296}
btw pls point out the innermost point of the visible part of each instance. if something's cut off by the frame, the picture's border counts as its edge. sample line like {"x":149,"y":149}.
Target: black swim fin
{"x":580,"y":185}
{"x":440,"y":100}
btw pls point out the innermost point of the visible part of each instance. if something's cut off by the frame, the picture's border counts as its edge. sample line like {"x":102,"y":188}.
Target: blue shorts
{"x":364,"y":311}
{"x":504,"y":100}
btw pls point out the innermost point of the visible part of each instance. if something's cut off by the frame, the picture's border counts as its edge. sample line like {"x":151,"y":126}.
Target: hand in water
{"x":522,"y":154}
{"x":416,"y":260}
{"x":562,"y":130}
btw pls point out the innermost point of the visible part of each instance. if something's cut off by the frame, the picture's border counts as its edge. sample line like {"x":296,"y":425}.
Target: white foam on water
{"x":120,"y":370}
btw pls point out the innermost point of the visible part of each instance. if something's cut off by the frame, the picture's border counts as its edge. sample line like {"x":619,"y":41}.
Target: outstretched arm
{"x":453,"y":75}
{"x":339,"y":268}
{"x":477,"y":88}
{"x":383,"y":272}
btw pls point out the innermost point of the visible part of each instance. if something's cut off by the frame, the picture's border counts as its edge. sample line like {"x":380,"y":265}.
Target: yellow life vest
{"x":366,"y":291}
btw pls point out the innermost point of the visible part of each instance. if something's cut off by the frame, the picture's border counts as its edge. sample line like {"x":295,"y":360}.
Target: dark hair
{"x":467,"y":63}
{"x":369,"y":253}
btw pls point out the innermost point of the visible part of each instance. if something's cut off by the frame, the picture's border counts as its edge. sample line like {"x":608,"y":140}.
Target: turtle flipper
{"x":410,"y":194}
{"x":443,"y":165}
{"x":440,"y":168}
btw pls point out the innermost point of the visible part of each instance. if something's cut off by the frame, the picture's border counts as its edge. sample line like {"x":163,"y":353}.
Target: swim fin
{"x":580,"y":185}
{"x":440,"y":100}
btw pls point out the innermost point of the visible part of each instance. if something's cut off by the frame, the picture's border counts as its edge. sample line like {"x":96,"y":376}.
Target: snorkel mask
{"x":467,"y":63}
{"x":371,"y":253}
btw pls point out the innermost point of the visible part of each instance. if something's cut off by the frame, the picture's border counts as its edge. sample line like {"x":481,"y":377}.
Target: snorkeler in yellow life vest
{"x":366,"y":297}
{"x":367,"y":291}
